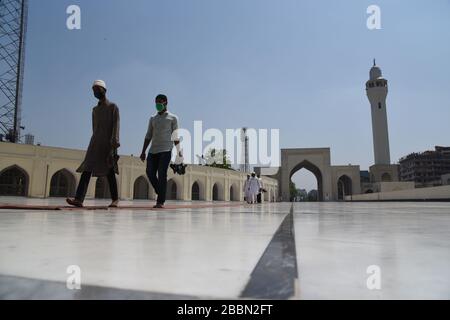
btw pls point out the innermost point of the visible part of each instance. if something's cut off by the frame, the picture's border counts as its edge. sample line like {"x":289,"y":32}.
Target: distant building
{"x":364,"y":176}
{"x":302,"y":195}
{"x":29,"y":139}
{"x":425,"y":168}
{"x":313,"y":195}
{"x":445,"y":179}
{"x":366,"y":184}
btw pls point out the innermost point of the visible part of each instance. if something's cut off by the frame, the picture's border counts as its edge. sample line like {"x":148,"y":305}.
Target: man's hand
{"x":143,"y":157}
{"x":179,"y":159}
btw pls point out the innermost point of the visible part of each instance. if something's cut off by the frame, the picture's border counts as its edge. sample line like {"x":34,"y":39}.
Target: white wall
{"x":434,"y":193}
{"x":41,"y":163}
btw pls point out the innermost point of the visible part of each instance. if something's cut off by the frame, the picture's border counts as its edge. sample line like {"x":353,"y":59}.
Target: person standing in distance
{"x":261,"y":189}
{"x":253,"y":188}
{"x":247,"y":188}
{"x":162,"y":134}
{"x":101,"y":156}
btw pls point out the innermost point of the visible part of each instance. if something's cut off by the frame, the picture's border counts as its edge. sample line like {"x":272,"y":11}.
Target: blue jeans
{"x":158,"y":163}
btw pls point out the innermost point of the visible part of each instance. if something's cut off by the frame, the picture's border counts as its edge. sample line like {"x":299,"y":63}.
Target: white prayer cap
{"x":99,"y":83}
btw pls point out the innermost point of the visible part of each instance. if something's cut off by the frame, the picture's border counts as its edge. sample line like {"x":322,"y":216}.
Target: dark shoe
{"x":75,"y":202}
{"x":158,"y":206}
{"x":114,"y":204}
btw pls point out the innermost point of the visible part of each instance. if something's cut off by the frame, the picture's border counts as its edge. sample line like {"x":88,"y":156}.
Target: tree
{"x":218,"y":159}
{"x":293,"y":192}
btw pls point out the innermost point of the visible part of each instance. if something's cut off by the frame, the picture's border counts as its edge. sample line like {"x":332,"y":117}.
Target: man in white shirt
{"x":253,"y":188}
{"x":162,"y":135}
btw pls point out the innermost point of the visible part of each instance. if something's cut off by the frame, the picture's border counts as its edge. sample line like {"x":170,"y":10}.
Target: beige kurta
{"x":101,"y":155}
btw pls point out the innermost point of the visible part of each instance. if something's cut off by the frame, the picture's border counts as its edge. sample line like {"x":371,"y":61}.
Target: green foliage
{"x":293,"y":190}
{"x":218,"y":159}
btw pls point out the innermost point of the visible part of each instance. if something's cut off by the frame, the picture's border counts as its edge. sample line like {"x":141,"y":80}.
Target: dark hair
{"x":161,"y":97}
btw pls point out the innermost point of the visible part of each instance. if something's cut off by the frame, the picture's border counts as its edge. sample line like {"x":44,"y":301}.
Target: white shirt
{"x":254,"y":185}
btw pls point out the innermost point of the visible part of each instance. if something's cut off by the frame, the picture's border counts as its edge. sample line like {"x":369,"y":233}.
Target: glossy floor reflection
{"x":220,"y":252}
{"x":409,"y":242}
{"x":206,"y":252}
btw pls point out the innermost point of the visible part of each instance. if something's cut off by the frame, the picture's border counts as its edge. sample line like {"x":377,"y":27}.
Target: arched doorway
{"x":386,"y":177}
{"x":270,"y":195}
{"x":234,"y":193}
{"x":344,"y":185}
{"x":215,"y":193}
{"x":195,"y":192}
{"x":218,"y":192}
{"x":267,"y":195}
{"x":14,"y":182}
{"x":314,"y":194}
{"x":171,"y":190}
{"x":62,"y":184}
{"x":141,"y":190}
{"x":198,"y":191}
{"x":102,"y":188}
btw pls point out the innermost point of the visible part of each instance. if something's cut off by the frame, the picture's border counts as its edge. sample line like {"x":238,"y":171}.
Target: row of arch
{"x":143,"y":191}
{"x":14,"y":181}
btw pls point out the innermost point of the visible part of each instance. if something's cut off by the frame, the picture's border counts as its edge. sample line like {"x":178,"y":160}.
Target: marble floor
{"x":273,"y":251}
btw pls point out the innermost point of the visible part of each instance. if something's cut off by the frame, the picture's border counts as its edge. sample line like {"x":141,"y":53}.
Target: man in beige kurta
{"x":101,"y":156}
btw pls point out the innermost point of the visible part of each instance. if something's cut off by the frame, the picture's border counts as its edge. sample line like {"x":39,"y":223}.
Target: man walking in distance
{"x":246,"y":188}
{"x":261,"y":187}
{"x":162,"y":135}
{"x":101,"y":156}
{"x":253,"y":188}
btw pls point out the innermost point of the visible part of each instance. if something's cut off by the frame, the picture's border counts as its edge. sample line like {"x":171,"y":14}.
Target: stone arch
{"x":198,"y":191}
{"x":14,"y":181}
{"x":268,"y":195}
{"x":305,"y":164}
{"x":218,"y":192}
{"x":174,"y":190}
{"x":344,"y":187}
{"x":102,"y":188}
{"x":234,"y":192}
{"x":386,"y":177}
{"x":195,"y":191}
{"x":141,"y":189}
{"x":62,"y":184}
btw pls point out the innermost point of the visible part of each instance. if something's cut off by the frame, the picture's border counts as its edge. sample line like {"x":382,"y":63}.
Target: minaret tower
{"x":377,"y":90}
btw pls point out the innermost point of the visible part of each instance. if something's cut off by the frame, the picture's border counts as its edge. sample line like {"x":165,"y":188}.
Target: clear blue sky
{"x":299,"y":66}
